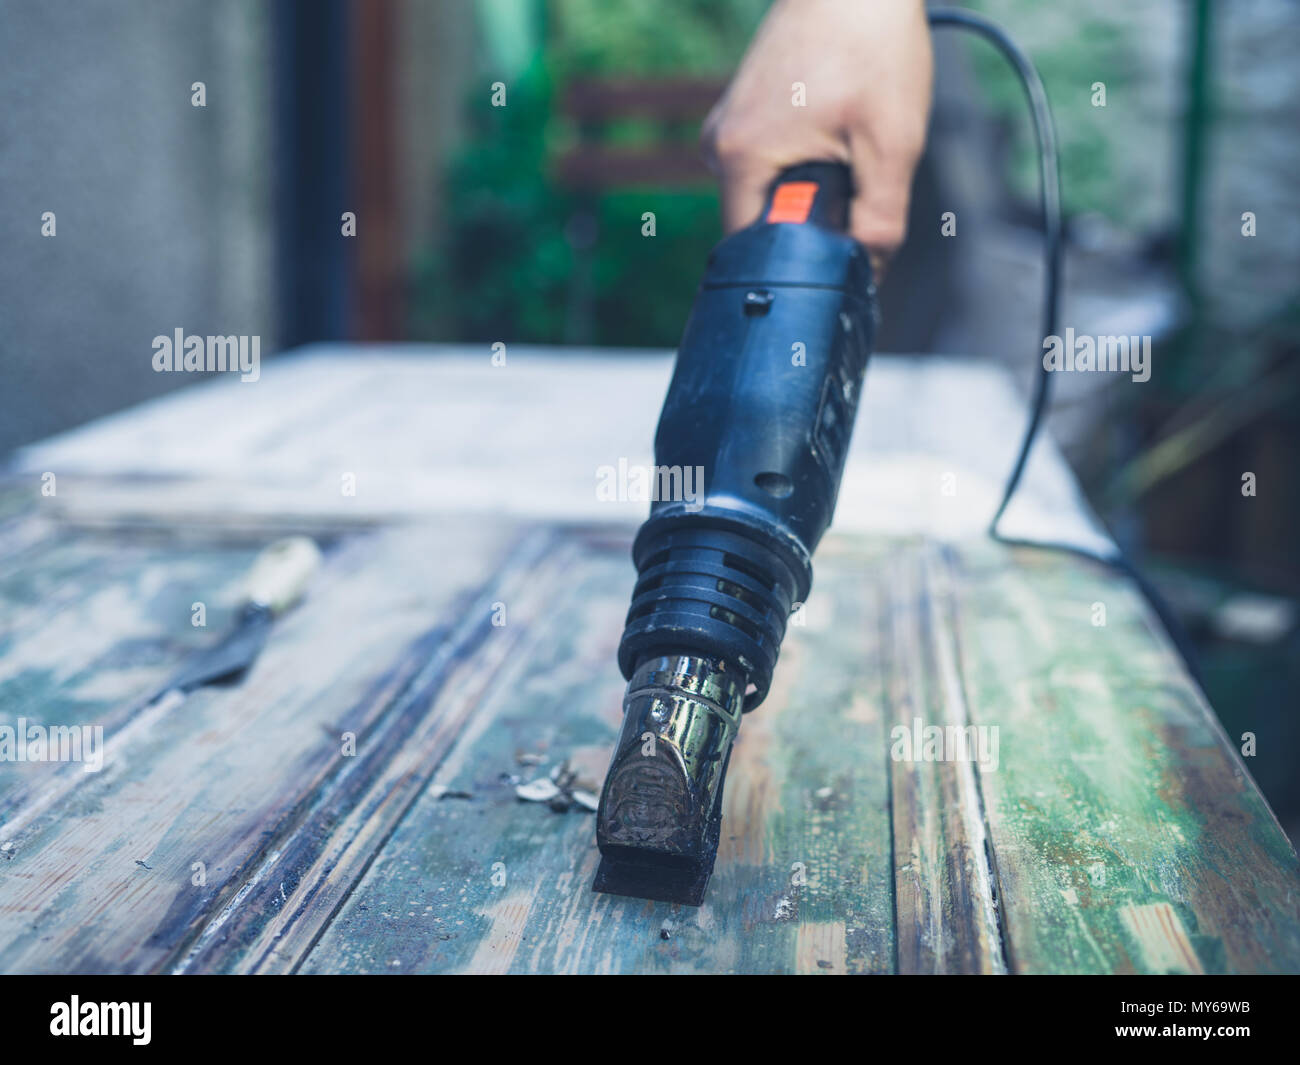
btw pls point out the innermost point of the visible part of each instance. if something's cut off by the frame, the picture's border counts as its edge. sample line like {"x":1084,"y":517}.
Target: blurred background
{"x":523,"y":223}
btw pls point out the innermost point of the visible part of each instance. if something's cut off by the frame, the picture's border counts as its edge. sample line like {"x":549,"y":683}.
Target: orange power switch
{"x":792,"y":201}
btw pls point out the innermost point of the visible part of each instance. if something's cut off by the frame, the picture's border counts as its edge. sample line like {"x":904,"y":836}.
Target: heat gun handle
{"x":819,"y":193}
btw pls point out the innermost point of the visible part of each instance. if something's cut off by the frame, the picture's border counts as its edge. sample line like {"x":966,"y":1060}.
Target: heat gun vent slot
{"x":736,"y":622}
{"x":752,"y":572}
{"x":743,"y":594}
{"x":640,"y":612}
{"x":648,"y":585}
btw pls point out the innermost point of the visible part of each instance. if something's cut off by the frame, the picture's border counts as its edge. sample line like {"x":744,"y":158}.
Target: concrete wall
{"x":161,"y":208}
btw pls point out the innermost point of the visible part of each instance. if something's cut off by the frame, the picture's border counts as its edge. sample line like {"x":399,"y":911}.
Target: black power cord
{"x":1050,"y":207}
{"x":1049,"y":179}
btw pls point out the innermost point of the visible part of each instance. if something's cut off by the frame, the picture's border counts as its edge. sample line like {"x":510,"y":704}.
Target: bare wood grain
{"x":803,"y":876}
{"x":1119,"y":831}
{"x":1128,"y":836}
{"x":108,"y":882}
{"x":945,"y":890}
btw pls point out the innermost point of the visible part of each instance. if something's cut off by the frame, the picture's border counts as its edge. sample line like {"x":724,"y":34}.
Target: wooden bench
{"x":1119,"y":831}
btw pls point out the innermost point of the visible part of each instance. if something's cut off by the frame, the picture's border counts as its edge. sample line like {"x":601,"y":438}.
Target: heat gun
{"x":763,"y":398}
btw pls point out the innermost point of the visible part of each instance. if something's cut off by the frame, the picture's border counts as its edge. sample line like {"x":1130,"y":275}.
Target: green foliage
{"x":501,"y":269}
{"x":641,"y":37}
{"x":506,"y":270}
{"x":1099,"y":145}
{"x":645,"y":285}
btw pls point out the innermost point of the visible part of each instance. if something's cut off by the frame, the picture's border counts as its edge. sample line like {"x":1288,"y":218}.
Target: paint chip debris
{"x":541,"y":790}
{"x":562,"y":789}
{"x":786,"y":910}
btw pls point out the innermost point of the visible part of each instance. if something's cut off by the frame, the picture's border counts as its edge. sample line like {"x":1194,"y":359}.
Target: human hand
{"x":866,"y":68}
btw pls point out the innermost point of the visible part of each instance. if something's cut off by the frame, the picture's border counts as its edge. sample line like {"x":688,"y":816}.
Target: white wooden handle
{"x":281,"y":572}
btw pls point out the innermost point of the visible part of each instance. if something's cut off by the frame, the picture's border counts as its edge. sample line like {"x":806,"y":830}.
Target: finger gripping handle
{"x":817,"y":192}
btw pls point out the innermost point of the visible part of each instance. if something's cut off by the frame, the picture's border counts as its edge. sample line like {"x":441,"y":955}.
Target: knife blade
{"x":275,"y":582}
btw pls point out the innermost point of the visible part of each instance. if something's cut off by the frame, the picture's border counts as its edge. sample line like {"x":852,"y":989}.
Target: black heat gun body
{"x":762,"y":402}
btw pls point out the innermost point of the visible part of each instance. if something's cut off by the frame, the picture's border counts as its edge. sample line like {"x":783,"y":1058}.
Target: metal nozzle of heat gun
{"x":661,"y":809}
